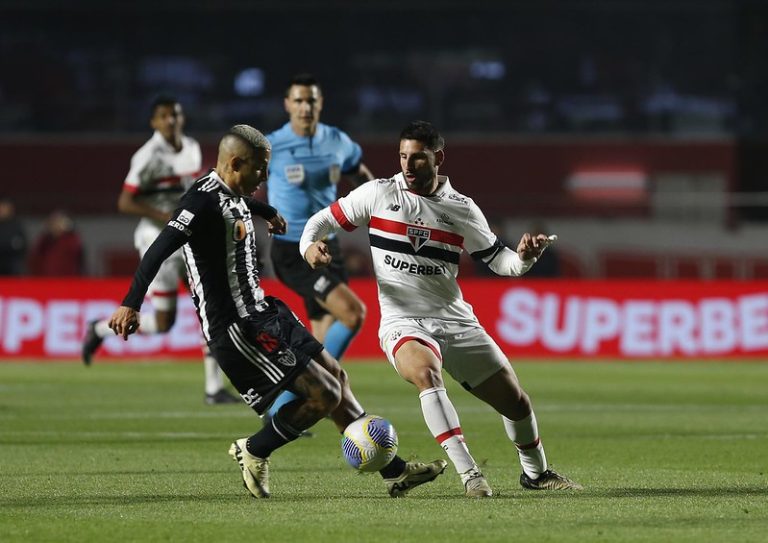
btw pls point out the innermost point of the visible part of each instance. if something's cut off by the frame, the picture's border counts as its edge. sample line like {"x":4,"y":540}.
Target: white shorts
{"x":164,"y":289}
{"x":466,"y":351}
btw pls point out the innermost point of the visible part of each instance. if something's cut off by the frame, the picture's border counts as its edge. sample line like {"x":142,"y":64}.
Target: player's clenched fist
{"x":318,"y":255}
{"x":124,"y":321}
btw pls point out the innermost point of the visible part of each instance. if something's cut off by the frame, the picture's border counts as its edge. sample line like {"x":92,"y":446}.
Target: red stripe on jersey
{"x":342,"y":219}
{"x":403,"y":339}
{"x":449,"y":434}
{"x":170,"y":180}
{"x":401,"y":228}
{"x":130,"y":188}
{"x":164,"y":293}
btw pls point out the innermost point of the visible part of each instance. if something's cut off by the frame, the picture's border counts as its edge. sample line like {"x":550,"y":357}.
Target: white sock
{"x":213,"y":379}
{"x":443,"y":421}
{"x":524,"y":434}
{"x":102,"y":329}
{"x":148,"y":323}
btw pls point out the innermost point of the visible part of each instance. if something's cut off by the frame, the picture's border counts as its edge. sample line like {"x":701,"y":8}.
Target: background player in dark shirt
{"x":259,"y":343}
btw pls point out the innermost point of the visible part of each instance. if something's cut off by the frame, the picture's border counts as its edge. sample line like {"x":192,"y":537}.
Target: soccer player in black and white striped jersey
{"x":258,"y":341}
{"x":161,"y":170}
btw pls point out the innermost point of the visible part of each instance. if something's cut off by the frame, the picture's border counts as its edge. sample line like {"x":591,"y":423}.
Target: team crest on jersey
{"x":418,"y":237}
{"x":334,"y":174}
{"x":286,"y":358}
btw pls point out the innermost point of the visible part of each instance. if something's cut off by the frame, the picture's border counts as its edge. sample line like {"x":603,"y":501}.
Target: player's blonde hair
{"x":252,"y":137}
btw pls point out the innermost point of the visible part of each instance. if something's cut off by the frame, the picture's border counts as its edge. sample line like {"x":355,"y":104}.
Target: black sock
{"x":273,"y":435}
{"x":394,"y":469}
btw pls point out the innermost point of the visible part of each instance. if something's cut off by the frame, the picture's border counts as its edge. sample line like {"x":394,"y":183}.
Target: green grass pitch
{"x":129,"y":452}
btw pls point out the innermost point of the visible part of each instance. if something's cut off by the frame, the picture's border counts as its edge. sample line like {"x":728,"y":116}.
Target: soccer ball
{"x":369,"y":443}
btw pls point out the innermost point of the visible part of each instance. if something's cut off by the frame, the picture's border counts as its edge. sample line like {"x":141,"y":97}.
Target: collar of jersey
{"x":444,"y":186}
{"x":215,"y":176}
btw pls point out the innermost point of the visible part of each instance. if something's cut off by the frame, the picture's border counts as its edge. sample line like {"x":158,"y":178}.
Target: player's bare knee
{"x":342,"y":377}
{"x":331,"y":397}
{"x":427,"y":377}
{"x":354,"y":316}
{"x":524,"y":402}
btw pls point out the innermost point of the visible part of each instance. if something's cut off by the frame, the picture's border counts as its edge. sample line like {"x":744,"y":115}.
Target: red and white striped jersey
{"x":160,"y":175}
{"x":416,"y":242}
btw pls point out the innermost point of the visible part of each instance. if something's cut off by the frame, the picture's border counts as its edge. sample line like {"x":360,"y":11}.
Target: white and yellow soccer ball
{"x":369,"y":443}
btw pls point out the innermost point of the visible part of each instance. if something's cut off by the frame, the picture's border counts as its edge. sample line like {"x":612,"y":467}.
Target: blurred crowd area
{"x":568,"y":66}
{"x":635,"y":130}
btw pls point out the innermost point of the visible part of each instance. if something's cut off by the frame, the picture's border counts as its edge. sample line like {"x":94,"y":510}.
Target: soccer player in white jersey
{"x":161,"y":170}
{"x":418,"y":224}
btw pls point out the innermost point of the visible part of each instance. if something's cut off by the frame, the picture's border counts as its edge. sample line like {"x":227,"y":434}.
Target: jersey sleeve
{"x":483,"y":244}
{"x":261,"y":209}
{"x":353,"y":154}
{"x":193,"y":214}
{"x":139,"y":162}
{"x":355,"y":209}
{"x":479,"y":241}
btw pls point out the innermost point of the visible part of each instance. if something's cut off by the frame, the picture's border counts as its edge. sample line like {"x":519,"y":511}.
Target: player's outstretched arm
{"x":128,"y":204}
{"x":509,"y":263}
{"x":311,"y":246}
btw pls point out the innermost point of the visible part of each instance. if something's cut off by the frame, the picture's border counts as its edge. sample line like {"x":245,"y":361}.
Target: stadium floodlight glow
{"x":250,"y":82}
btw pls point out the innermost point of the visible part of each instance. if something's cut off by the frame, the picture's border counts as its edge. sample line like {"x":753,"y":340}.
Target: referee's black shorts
{"x":262,"y":355}
{"x":299,"y":276}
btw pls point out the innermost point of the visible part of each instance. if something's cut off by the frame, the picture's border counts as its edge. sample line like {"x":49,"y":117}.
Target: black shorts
{"x":262,"y":355}
{"x":310,"y":284}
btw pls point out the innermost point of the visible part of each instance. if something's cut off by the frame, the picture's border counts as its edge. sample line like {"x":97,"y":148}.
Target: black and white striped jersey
{"x":215,"y":228}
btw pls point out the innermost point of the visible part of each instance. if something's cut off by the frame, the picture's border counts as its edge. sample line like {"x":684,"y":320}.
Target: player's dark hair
{"x":162,"y":100}
{"x":302,"y":80}
{"x":425,"y":133}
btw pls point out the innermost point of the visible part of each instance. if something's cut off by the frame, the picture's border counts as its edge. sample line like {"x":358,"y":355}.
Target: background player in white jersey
{"x":308,"y":160}
{"x":418,"y":226}
{"x":161,"y":170}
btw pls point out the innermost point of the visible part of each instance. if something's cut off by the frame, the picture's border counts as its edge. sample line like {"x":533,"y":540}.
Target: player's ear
{"x":439,"y":157}
{"x":235,"y":163}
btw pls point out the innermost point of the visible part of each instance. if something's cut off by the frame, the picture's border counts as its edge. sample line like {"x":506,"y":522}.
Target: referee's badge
{"x":334,"y":174}
{"x":294,"y":173}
